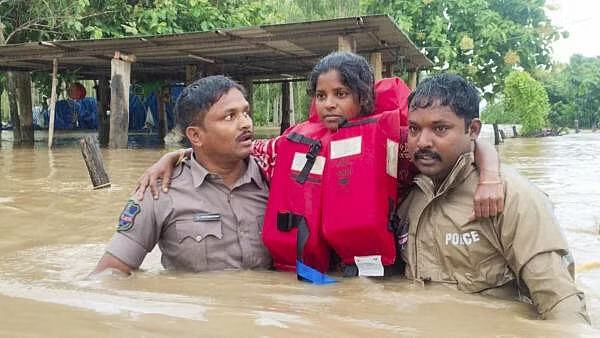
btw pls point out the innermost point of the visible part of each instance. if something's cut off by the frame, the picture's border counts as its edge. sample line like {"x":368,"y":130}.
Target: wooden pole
{"x":285,"y":105}
{"x":412,"y":80}
{"x":14,"y":109}
{"x":249,"y":85}
{"x":376,"y":64}
{"x":576,"y":126}
{"x":496,"y":134}
{"x":103,"y":109}
{"x":515,"y":133}
{"x":191,"y":74}
{"x":292,"y":109}
{"x":94,"y":162}
{"x":346,"y":43}
{"x":23,"y":83}
{"x":389,"y":70}
{"x":162,"y":114}
{"x":119,"y":100}
{"x":52,"y":102}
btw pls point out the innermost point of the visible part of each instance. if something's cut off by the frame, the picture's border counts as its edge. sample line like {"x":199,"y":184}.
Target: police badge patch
{"x":128,"y":215}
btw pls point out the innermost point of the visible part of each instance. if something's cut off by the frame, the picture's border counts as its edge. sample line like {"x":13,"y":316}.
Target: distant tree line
{"x":483,"y":40}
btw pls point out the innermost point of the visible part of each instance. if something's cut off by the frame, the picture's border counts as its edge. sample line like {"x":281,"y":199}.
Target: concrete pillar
{"x":119,"y":101}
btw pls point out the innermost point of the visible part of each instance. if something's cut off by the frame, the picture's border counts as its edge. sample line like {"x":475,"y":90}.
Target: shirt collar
{"x":465,"y":164}
{"x":252,"y":173}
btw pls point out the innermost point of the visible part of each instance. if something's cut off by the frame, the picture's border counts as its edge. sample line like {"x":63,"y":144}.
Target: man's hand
{"x":161,"y":169}
{"x":489,"y":196}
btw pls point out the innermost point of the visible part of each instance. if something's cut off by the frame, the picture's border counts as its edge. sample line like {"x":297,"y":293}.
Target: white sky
{"x":580,"y":18}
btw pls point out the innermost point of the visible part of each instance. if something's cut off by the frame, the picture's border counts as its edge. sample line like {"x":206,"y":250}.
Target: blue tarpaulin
{"x":71,"y":114}
{"x":152,"y":103}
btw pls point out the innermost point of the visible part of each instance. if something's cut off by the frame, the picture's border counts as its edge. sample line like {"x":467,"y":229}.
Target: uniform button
{"x":198,"y":238}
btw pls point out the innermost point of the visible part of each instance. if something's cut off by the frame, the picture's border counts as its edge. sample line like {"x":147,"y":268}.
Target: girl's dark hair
{"x":355,"y":73}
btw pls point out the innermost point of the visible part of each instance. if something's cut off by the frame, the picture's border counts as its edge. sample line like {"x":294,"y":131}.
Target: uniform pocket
{"x":199,"y":230}
{"x":260,"y":220}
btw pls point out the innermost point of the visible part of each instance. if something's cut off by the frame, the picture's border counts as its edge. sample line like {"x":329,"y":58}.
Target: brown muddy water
{"x":53,"y":228}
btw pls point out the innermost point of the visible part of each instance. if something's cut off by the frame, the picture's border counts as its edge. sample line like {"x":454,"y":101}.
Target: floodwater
{"x":53,"y":228}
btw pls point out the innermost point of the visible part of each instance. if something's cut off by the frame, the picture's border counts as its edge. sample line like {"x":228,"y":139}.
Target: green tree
{"x":483,"y":40}
{"x":497,"y":113}
{"x":526,"y":97}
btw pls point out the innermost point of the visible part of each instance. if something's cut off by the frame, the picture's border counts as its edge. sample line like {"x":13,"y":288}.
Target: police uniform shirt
{"x":200,"y":224}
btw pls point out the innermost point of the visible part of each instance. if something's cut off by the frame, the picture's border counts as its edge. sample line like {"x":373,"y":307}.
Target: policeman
{"x":520,"y":252}
{"x":211,"y":218}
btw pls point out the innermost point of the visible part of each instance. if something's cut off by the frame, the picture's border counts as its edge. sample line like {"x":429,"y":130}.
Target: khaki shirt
{"x":522,"y":248}
{"x":200,"y":224}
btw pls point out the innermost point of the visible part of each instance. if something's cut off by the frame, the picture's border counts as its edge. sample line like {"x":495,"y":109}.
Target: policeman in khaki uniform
{"x":211,"y":218}
{"x":519,"y":253}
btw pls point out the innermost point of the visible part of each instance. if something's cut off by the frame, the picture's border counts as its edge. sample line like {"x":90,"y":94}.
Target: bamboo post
{"x":576,"y":126}
{"x":292,"y":110}
{"x":515,"y":133}
{"x":502,"y":135}
{"x":94,"y":162}
{"x":52,"y":102}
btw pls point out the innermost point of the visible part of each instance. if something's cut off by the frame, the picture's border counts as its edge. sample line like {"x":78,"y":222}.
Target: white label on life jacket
{"x":391,"y":167}
{"x":345,"y":147}
{"x":300,"y":160}
{"x":369,"y":265}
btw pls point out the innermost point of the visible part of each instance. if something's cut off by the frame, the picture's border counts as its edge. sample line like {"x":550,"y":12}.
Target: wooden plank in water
{"x":94,"y":162}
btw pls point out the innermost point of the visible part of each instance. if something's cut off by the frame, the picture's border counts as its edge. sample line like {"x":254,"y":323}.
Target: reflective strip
{"x":346,"y":147}
{"x":391,"y":166}
{"x":300,"y":160}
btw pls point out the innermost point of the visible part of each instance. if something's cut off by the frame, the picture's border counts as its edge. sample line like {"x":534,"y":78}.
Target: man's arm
{"x":109,"y":261}
{"x":263,"y":150}
{"x":163,"y":168}
{"x":489,"y":195}
{"x":553,"y":289}
{"x":537,"y":252}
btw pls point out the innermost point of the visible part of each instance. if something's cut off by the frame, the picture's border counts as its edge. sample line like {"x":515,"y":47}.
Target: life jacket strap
{"x":311,"y":155}
{"x":347,"y":124}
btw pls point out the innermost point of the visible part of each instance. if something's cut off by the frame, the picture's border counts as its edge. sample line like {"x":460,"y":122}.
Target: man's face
{"x":334,"y":100}
{"x":226,"y":133}
{"x":437,"y":138}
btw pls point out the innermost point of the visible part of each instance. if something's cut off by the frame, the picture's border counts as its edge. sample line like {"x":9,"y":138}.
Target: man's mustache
{"x":423,"y":153}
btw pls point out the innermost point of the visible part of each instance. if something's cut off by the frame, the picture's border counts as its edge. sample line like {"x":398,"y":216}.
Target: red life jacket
{"x":360,"y":185}
{"x":345,"y":199}
{"x":292,"y":227}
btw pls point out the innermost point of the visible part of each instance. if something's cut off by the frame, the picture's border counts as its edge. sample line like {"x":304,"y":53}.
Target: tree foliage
{"x":527,"y":98}
{"x":484,"y":40}
{"x":497,"y":113}
{"x":574,"y":92}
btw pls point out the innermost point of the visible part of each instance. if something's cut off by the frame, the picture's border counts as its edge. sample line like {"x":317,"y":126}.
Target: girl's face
{"x":334,"y":100}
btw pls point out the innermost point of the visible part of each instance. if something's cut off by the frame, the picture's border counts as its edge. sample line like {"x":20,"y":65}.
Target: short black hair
{"x":197,"y":98}
{"x":355,"y":73}
{"x":447,"y":90}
